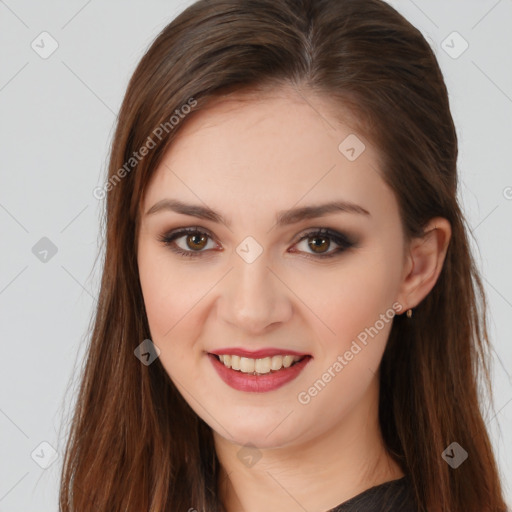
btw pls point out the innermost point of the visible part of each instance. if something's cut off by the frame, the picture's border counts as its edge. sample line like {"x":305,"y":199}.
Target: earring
{"x":409,"y":313}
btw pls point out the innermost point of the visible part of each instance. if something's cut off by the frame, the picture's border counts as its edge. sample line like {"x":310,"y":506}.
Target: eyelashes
{"x":197,"y":236}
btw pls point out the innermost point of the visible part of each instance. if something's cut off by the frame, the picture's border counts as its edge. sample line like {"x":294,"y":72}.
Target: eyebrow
{"x":283,"y":217}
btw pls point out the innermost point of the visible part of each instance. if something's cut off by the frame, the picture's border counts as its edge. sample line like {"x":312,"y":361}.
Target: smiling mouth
{"x":261,"y":366}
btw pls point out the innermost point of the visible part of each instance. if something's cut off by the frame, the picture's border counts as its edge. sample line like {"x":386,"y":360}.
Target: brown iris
{"x":324,"y":244}
{"x":196,"y":241}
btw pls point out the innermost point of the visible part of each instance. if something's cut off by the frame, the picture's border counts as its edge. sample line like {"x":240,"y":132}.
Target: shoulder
{"x":393,"y":496}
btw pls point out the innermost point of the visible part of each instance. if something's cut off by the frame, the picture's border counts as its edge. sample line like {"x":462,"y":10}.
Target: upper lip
{"x":256,"y":354}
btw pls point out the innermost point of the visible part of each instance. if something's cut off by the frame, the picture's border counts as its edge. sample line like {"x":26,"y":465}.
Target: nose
{"x":254,"y":297}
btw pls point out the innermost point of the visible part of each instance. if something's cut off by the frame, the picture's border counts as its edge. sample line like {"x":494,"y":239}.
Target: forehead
{"x":267,"y":153}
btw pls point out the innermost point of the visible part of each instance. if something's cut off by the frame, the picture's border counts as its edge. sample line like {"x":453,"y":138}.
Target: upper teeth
{"x":264,"y":365}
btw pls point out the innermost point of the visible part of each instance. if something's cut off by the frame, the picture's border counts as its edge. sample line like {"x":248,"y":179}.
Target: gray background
{"x":57,"y":118}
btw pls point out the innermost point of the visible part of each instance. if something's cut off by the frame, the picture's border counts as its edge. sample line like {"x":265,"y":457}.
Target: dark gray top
{"x":394,"y":496}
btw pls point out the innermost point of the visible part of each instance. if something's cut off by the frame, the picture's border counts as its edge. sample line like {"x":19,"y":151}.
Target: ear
{"x":423,"y":262}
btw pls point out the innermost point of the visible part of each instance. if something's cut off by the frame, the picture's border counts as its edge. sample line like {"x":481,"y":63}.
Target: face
{"x":258,"y":275}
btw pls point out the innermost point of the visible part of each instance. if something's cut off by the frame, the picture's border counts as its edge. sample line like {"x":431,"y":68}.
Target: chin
{"x":263,"y":434}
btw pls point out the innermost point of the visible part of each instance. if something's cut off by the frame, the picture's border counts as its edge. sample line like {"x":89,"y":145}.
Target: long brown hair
{"x":134,"y":442}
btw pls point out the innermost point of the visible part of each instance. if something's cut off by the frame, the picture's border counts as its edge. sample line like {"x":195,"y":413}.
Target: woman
{"x":290,"y":317}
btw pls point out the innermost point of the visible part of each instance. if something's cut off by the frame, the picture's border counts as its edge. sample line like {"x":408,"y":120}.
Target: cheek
{"x":358,"y":308}
{"x":176,"y":297}
{"x":357,"y":294}
{"x":170,"y":299}
{"x":168,"y":294}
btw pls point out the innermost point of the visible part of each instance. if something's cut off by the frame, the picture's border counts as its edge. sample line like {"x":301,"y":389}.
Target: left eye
{"x":317,"y":241}
{"x":323,"y":238}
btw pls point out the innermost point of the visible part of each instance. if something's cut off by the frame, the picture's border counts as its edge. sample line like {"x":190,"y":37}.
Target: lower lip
{"x":257,"y":383}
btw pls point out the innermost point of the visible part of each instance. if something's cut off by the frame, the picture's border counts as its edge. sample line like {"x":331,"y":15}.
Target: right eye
{"x":195,"y":240}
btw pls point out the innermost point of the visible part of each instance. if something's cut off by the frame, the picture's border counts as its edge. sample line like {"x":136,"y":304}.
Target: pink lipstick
{"x":259,"y":383}
{"x":256,"y":354}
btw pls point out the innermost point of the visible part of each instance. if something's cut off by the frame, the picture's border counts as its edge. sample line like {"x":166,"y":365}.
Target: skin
{"x":248,"y":160}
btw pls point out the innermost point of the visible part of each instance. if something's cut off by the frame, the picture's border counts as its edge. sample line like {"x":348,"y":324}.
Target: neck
{"x":315,"y":475}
